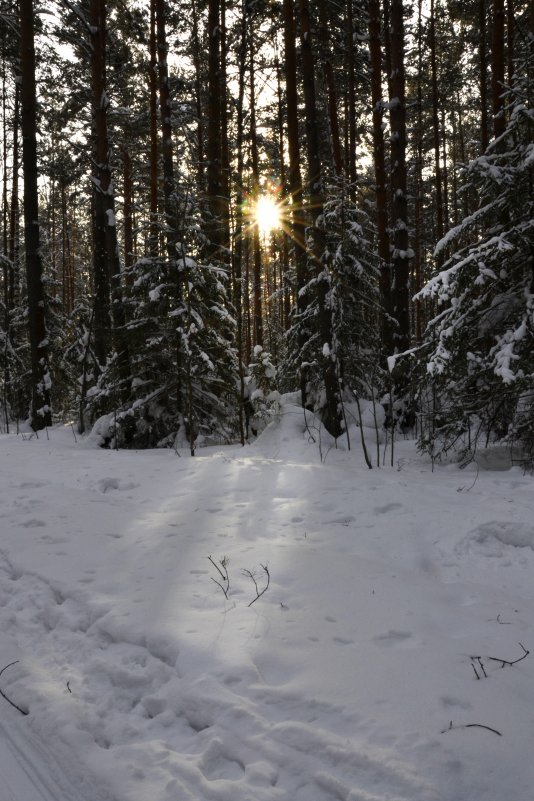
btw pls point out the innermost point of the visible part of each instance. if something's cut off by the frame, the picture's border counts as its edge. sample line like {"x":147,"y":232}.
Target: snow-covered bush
{"x":262,"y":393}
{"x":479,"y":348}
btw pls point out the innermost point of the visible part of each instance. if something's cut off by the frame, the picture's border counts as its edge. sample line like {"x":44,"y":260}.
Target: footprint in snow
{"x":106,"y":484}
{"x":343,"y":641}
{"x":392,"y":637}
{"x":389,"y":507}
{"x":33,"y":523}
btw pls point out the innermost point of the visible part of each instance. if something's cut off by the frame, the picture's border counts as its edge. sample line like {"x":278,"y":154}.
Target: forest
{"x":206,"y":204}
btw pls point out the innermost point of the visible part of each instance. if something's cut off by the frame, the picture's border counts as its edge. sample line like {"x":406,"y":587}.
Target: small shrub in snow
{"x":263,"y":396}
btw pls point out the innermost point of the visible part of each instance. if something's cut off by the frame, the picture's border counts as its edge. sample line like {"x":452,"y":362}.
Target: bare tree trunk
{"x":331,"y":91}
{"x":435,"y":125}
{"x":225,"y":151}
{"x":127,"y":180}
{"x":196,"y":50}
{"x":213,"y":149}
{"x":351,"y":102}
{"x":401,"y":253}
{"x":380,"y":172}
{"x":418,"y":210}
{"x":101,"y":180}
{"x":284,"y":256}
{"x":40,"y":414}
{"x":14,"y":207}
{"x":294,"y":178}
{"x":153,"y":89}
{"x":510,"y":24}
{"x":327,"y":358}
{"x":497,"y":68}
{"x":237,"y":250}
{"x":255,"y":235}
{"x":483,"y":59}
{"x":169,"y":200}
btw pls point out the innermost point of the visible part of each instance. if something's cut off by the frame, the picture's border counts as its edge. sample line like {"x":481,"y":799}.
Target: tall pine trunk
{"x":295,"y":210}
{"x":40,"y":413}
{"x":400,"y":292}
{"x":379,"y":160}
{"x":327,"y":357}
{"x":497,"y":68}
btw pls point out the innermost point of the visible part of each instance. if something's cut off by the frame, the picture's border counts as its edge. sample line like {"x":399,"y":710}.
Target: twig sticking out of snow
{"x":505,"y":662}
{"x":13,"y":704}
{"x":471,"y":726}
{"x":477,"y":663}
{"x":252,"y":576}
{"x":225,"y":584}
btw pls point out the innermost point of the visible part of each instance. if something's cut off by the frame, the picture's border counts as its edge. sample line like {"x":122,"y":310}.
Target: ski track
{"x":213,"y":707}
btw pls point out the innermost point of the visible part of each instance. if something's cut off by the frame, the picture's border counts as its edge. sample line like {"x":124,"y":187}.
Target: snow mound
{"x":297,"y":426}
{"x":518,"y":535}
{"x":498,"y":457}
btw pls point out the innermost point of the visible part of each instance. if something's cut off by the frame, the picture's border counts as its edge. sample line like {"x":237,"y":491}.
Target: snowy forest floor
{"x":353,"y":678}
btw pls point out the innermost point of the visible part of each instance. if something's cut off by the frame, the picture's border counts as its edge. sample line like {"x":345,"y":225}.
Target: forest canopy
{"x":208,"y":203}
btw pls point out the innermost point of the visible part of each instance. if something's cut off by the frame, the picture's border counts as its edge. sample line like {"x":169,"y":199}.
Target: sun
{"x":267,"y":214}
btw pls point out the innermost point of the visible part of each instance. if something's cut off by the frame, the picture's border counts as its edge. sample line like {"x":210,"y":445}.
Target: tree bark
{"x":331,"y":91}
{"x":213,"y":145}
{"x":483,"y":60}
{"x":40,"y":414}
{"x":401,"y":254}
{"x":350,"y":156}
{"x":327,"y":358}
{"x":169,"y":200}
{"x":497,"y":68}
{"x":257,"y":271}
{"x":101,"y":183}
{"x":435,"y":125}
{"x":380,"y":171}
{"x":154,"y":149}
{"x":295,"y":211}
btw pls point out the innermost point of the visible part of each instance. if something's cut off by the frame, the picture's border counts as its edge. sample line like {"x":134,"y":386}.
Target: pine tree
{"x":479,"y":347}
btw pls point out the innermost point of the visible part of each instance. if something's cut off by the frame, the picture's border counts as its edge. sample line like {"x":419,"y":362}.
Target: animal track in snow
{"x":111,"y":483}
{"x":393,"y":637}
{"x":389,"y":507}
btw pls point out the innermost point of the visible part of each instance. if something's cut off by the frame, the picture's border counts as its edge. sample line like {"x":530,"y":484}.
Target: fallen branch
{"x":13,"y":704}
{"x":471,"y":726}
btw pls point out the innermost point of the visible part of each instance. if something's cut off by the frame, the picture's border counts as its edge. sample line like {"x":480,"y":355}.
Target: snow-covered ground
{"x":352,"y":678}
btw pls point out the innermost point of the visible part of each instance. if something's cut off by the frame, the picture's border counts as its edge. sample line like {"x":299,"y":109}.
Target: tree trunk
{"x":127,"y":180}
{"x":380,"y":172}
{"x":101,"y":180}
{"x":327,"y":357}
{"x":510,"y":24}
{"x":295,"y":211}
{"x":483,"y":59}
{"x":40,"y":414}
{"x":401,"y":254}
{"x":13,"y":244}
{"x":153,"y":89}
{"x":331,"y":91}
{"x":497,"y":68}
{"x":225,"y":150}
{"x":169,"y":202}
{"x":257,"y":272}
{"x":350,"y":156}
{"x":435,"y":125}
{"x":196,"y":55}
{"x":213,"y":148}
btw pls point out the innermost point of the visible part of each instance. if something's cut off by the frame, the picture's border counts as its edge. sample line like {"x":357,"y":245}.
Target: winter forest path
{"x":144,"y":682}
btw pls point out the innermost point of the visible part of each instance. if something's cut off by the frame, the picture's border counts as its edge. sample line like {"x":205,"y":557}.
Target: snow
{"x":352,"y":678}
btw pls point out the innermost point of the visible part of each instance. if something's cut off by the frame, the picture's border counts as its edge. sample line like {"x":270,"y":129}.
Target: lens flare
{"x":267,"y":214}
